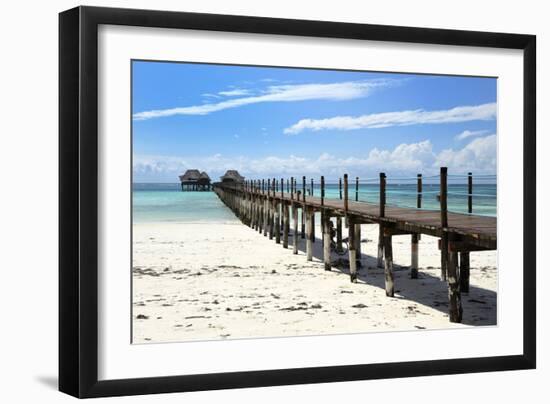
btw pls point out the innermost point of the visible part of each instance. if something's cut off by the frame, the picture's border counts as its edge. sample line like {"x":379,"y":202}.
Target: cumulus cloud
{"x":399,"y":118}
{"x":480,"y":155}
{"x":406,"y":159}
{"x":278,"y":93}
{"x":469,"y":133}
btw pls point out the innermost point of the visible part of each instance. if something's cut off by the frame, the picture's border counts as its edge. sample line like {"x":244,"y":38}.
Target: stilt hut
{"x":194,"y":180}
{"x":189,"y":181}
{"x":204,"y":182}
{"x":232,"y":176}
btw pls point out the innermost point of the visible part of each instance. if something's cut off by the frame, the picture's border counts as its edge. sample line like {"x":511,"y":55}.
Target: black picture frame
{"x":78,"y":201}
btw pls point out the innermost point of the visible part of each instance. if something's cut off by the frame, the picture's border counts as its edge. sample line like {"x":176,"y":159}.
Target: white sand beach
{"x":206,"y":281}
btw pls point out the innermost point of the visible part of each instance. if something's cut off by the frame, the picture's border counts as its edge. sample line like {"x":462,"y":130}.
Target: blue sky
{"x":269,"y":122}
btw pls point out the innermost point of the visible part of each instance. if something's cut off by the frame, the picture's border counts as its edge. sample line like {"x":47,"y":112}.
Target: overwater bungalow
{"x":232,"y":176}
{"x":194,"y":180}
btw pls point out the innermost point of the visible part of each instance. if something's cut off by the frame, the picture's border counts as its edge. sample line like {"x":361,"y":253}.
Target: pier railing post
{"x":340,"y":186}
{"x":312,"y":193}
{"x":322,"y":190}
{"x":304,"y":187}
{"x":356,"y":189}
{"x":444,"y":223}
{"x":470,"y":191}
{"x":346,"y":194}
{"x":465,"y":256}
{"x":382,"y":203}
{"x":415,"y":237}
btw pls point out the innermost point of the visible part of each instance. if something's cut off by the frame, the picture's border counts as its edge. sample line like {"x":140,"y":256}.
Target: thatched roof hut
{"x":190,"y":176}
{"x":194,"y":180}
{"x":232,"y":176}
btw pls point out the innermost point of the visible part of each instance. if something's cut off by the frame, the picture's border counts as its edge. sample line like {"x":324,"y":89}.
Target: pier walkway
{"x":265,"y":206}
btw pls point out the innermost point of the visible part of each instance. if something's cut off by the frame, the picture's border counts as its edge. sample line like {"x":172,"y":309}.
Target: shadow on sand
{"x":426,"y":290}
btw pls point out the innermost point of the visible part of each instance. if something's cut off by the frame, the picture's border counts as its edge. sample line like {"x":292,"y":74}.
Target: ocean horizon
{"x":165,"y":202}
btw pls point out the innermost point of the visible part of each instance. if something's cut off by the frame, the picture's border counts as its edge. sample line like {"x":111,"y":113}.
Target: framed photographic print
{"x":251,"y":201}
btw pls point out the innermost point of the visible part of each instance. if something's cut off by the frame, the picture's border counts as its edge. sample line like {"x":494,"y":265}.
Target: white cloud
{"x":235,"y":92}
{"x":398,"y":118}
{"x":469,"y":133}
{"x":278,"y":93}
{"x":479,"y":156}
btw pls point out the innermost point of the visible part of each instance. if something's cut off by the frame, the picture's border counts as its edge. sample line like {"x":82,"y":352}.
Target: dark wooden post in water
{"x":322,"y":190}
{"x":311,"y":193}
{"x":444,"y":223}
{"x":415,"y":237}
{"x":356,"y":189}
{"x":346,"y":193}
{"x":340,"y":187}
{"x":382,"y":214}
{"x":470,"y":191}
{"x":465,"y":256}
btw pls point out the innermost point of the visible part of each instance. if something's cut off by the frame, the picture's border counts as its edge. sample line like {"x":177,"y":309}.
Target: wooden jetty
{"x":265,"y":205}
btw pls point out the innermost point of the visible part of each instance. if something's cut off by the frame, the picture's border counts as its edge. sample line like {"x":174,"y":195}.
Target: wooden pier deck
{"x":266,"y":207}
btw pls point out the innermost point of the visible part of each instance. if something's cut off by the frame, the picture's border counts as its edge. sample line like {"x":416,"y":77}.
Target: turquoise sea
{"x":154,"y":202}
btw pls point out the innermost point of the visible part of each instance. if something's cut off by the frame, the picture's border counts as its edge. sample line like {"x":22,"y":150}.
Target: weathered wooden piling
{"x":415,"y":237}
{"x":465,"y":256}
{"x":309,"y":231}
{"x":380,"y":258}
{"x":352,"y":248}
{"x":444,"y":222}
{"x":326,"y":240}
{"x":303,"y":208}
{"x":455,"y":303}
{"x":286,"y":225}
{"x":295,"y":220}
{"x":388,"y":263}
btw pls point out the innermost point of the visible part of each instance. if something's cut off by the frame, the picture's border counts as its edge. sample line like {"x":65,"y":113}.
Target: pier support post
{"x":266,"y":216}
{"x":326,"y":240}
{"x":414,"y":255}
{"x":455,"y":304}
{"x":309,"y":225}
{"x":465,"y":272}
{"x":382,"y":205}
{"x":286,"y":224}
{"x":295,"y":232}
{"x":312,"y":233}
{"x":303,"y":219}
{"x":380,"y":258}
{"x":339,"y":233}
{"x":358,"y":243}
{"x":388,"y":264}
{"x":271,"y":219}
{"x":352,"y":252}
{"x":277,"y":223}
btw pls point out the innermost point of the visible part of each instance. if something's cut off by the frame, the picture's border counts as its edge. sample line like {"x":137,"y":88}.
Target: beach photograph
{"x":273,"y":202}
